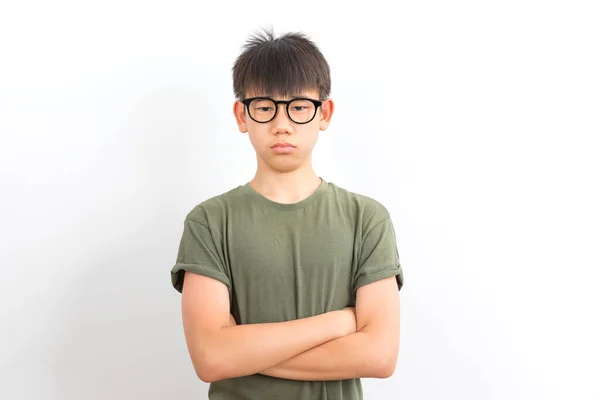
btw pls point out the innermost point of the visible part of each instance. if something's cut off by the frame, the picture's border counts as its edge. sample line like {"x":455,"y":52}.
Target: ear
{"x":327,"y":109}
{"x":239,"y":111}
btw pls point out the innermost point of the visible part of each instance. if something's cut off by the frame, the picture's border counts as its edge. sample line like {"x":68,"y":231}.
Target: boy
{"x":289,"y":283}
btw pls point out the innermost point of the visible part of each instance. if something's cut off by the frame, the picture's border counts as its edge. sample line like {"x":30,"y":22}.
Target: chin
{"x":283,"y":169}
{"x":283,"y":166}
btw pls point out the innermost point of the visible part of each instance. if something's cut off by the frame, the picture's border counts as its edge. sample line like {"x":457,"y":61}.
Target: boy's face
{"x":281,"y":129}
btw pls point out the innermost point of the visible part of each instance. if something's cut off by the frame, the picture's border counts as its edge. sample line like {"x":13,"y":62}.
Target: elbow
{"x":384,"y":370}
{"x":207,"y":369}
{"x":206,"y":375}
{"x":384,"y":364}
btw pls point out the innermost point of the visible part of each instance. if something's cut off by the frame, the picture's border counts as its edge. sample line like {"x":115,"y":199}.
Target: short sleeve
{"x":199,"y":253}
{"x":379,"y":256}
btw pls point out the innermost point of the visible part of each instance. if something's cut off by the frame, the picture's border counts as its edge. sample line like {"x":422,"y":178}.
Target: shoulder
{"x":369,"y":210}
{"x":214,"y":208}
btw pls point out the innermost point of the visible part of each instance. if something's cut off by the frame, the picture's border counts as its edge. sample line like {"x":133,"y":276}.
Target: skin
{"x":284,"y":178}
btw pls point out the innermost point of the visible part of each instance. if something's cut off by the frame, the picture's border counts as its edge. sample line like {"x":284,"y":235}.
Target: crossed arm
{"x":344,"y":344}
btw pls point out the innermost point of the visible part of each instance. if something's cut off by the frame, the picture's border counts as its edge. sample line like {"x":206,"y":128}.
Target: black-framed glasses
{"x":300,"y":110}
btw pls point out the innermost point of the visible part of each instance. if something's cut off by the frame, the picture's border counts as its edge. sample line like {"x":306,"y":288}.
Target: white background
{"x":476,"y":123}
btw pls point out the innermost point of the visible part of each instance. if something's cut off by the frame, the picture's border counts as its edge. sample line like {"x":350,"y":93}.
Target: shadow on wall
{"x":123,"y":337}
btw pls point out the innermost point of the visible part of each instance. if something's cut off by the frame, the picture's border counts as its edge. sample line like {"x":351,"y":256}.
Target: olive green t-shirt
{"x":282,"y":262}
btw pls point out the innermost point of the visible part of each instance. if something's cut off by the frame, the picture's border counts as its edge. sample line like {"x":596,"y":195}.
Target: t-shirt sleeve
{"x":379,"y":256}
{"x":199,"y":252}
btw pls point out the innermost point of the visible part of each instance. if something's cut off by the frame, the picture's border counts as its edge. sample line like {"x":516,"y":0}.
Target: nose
{"x":281,"y":122}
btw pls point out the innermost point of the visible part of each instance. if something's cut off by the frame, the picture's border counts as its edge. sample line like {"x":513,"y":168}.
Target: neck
{"x":286,"y":187}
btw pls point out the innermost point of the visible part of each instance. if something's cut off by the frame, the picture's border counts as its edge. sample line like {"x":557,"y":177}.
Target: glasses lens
{"x":301,"y":111}
{"x":262,"y":110}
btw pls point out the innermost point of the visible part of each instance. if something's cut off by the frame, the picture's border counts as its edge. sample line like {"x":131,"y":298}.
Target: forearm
{"x":351,"y":356}
{"x":248,"y":349}
{"x":371,"y":352}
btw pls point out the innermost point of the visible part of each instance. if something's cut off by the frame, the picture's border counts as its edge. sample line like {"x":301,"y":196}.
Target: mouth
{"x":282,"y":145}
{"x":282,"y":148}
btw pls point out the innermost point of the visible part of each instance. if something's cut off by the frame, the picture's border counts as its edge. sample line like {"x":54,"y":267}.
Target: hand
{"x":349,"y":320}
